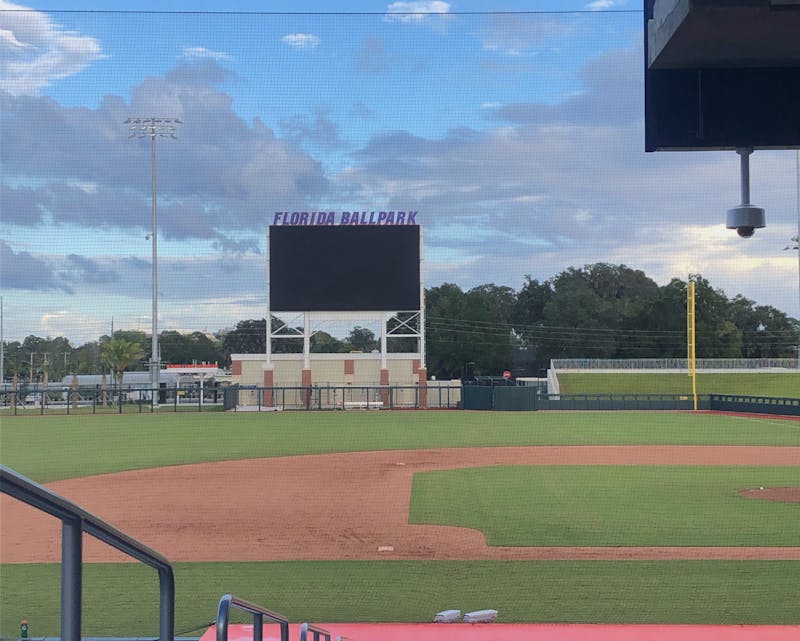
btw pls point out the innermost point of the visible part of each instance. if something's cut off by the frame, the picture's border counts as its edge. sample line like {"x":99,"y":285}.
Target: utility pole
{"x":154,"y":127}
{"x":44,"y":378}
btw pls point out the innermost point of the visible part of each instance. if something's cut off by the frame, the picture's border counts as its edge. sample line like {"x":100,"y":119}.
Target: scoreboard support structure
{"x":394,"y":325}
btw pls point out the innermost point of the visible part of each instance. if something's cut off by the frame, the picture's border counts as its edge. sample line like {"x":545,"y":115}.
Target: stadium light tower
{"x":154,"y":127}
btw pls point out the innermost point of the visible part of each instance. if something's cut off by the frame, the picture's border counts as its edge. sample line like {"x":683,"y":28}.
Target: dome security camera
{"x":745,"y":218}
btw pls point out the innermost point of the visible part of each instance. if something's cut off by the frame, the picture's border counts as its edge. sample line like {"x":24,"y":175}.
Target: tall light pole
{"x":154,"y":127}
{"x":797,"y":242}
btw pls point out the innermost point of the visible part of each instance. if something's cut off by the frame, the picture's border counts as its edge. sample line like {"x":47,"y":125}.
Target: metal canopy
{"x":685,"y":34}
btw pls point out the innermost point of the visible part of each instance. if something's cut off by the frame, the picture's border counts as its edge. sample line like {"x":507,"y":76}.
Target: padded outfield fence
{"x":522,"y":398}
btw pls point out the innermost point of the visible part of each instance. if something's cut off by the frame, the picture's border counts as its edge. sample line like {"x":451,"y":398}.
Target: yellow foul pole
{"x":691,"y":361}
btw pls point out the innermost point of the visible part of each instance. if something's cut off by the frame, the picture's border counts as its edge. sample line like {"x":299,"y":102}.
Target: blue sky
{"x":514,"y":128}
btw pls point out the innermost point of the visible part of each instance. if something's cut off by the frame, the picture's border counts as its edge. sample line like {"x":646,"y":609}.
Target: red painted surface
{"x":384,"y":380}
{"x":269,"y":381}
{"x":423,"y":388}
{"x":517,"y":631}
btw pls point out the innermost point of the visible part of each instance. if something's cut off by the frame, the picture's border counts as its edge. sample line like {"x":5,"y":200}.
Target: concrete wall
{"x":326,"y":370}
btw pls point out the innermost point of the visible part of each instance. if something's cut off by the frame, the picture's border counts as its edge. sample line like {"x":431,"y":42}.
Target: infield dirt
{"x":335,"y":506}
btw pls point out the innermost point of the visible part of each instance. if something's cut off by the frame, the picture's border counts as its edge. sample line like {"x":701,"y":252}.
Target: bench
{"x":362,"y":405}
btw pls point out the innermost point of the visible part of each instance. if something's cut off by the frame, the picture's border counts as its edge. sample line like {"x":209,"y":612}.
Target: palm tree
{"x":119,"y":353}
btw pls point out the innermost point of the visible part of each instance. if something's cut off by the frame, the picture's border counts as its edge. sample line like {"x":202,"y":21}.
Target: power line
{"x":398,"y":14}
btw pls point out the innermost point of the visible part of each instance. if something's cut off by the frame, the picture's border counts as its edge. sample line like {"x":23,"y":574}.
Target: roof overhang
{"x":685,"y":34}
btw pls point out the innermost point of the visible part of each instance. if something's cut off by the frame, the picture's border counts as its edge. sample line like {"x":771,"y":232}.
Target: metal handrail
{"x":75,"y":520}
{"x":315,"y":630}
{"x":223,"y":614}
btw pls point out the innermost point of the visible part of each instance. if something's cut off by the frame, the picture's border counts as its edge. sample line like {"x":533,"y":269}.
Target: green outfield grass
{"x":122,"y":599}
{"x":47,"y":448}
{"x":785,"y":385}
{"x":610,"y":505}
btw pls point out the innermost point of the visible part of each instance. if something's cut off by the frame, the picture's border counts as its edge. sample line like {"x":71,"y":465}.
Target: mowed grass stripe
{"x":610,"y":505}
{"x":49,"y":448}
{"x":122,"y":599}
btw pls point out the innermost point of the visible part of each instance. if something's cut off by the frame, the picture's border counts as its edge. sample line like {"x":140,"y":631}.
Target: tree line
{"x":596,"y":311}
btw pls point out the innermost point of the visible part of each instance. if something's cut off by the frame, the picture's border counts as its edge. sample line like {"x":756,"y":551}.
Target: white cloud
{"x":202,"y":52}
{"x":602,"y":5}
{"x":52,"y":324}
{"x":415,"y":10}
{"x":86,"y":188}
{"x":8,"y":42}
{"x":35,"y":51}
{"x":515,"y":35}
{"x":301,"y":40}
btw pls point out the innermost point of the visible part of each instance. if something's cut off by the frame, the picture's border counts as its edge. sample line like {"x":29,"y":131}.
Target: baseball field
{"x":617,"y":517}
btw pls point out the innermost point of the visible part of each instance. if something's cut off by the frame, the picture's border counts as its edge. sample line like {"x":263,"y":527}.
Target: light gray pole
{"x":155,"y":355}
{"x":797,"y":240}
{"x":154,"y":127}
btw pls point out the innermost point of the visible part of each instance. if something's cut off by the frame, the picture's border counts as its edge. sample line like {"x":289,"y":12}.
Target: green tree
{"x":86,"y":359}
{"x":766,"y":332}
{"x":448,"y":345}
{"x":195,"y":347}
{"x":717,"y":335}
{"x":133,"y":336}
{"x":120,"y":353}
{"x":469,"y":332}
{"x":324,"y":343}
{"x":249,"y":337}
{"x":596,"y":311}
{"x":665,"y":322}
{"x":14,"y":360}
{"x":361,"y":339}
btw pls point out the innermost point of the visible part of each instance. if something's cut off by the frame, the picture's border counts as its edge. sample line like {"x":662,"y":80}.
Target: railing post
{"x":223,"y":612}
{"x":71,"y":584}
{"x":166,"y":617}
{"x":258,"y":626}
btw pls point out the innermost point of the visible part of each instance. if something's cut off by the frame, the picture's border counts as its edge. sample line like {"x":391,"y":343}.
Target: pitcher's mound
{"x":778,"y":494}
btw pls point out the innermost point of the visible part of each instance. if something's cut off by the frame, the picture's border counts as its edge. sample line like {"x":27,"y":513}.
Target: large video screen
{"x":344,"y":268}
